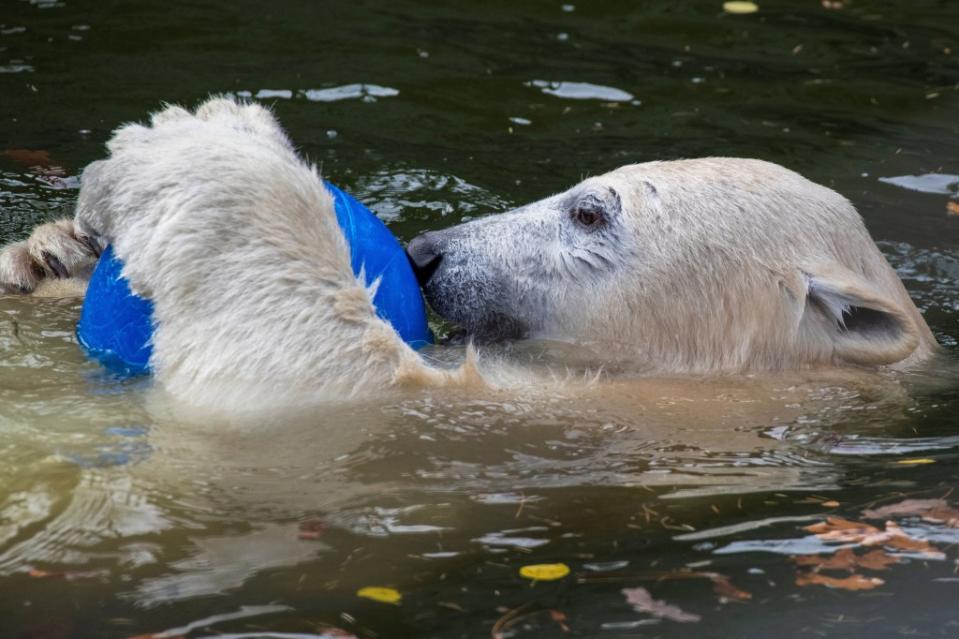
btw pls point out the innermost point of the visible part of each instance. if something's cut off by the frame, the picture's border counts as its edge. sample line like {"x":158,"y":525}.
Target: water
{"x":119,"y":519}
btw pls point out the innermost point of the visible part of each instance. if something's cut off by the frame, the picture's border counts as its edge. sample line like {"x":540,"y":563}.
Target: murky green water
{"x":117,"y":519}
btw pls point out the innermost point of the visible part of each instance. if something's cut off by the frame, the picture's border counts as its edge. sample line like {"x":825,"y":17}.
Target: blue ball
{"x":116,"y":326}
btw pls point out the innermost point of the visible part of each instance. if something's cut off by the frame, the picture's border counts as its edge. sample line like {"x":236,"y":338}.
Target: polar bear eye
{"x":588,"y":215}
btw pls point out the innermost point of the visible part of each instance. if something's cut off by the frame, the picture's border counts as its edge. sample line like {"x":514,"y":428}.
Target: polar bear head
{"x":688,"y":266}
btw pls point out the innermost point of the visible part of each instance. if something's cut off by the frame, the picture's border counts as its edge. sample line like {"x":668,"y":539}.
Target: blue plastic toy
{"x":116,"y":326}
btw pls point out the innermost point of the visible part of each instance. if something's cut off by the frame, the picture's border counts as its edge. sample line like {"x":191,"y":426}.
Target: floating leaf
{"x":740,"y":8}
{"x":832,"y":503}
{"x":877,"y":559}
{"x":847,"y":559}
{"x":36,"y":573}
{"x":642,"y":601}
{"x":916,"y":462}
{"x":852,"y":582}
{"x":896,"y":537}
{"x":937,"y":511}
{"x":723,"y":587}
{"x":560,"y":618}
{"x":842,"y":530}
{"x":381,"y":594}
{"x":544,"y":572}
{"x":952,"y":208}
{"x":836,"y":529}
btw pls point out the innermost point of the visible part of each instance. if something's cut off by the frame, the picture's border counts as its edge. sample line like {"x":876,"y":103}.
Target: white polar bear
{"x":701,"y":266}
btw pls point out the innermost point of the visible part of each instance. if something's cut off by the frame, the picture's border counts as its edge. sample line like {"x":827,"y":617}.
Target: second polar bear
{"x":700,"y":266}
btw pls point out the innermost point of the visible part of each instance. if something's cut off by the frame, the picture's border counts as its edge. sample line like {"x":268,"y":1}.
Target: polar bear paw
{"x":56,"y":250}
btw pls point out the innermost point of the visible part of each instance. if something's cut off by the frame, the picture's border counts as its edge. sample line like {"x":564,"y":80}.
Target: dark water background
{"x":114,"y":523}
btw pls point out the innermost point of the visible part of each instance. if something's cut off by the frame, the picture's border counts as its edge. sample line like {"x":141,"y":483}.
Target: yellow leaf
{"x":914,"y":462}
{"x":740,"y":8}
{"x":832,"y":503}
{"x":544,"y":572}
{"x":378,"y":593}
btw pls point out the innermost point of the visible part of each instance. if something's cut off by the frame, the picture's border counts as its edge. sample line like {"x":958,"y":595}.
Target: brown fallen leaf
{"x":896,"y":537}
{"x":842,"y":530}
{"x":852,"y":582}
{"x":641,"y":601}
{"x":723,"y":587}
{"x":40,"y":574}
{"x":877,"y":559}
{"x":836,"y":529}
{"x":937,"y":511}
{"x":952,"y":208}
{"x":847,"y":559}
{"x":560,"y":618}
{"x":844,"y":558}
{"x":905,"y":507}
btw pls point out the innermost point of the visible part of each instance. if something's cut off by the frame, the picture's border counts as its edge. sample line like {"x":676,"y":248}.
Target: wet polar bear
{"x":708,"y":266}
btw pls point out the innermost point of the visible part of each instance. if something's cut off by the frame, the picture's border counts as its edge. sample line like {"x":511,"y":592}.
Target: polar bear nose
{"x":424,"y":254}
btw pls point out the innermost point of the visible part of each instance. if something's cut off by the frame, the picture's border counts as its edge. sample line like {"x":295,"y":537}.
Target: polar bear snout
{"x":537,"y":270}
{"x":468,"y":280}
{"x":425,"y":253}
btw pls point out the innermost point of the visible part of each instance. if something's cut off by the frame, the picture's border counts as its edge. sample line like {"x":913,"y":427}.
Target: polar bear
{"x":705,"y":266}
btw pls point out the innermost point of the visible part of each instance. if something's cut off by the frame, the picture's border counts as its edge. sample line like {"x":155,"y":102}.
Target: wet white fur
{"x":234,"y":238}
{"x":734,"y":265}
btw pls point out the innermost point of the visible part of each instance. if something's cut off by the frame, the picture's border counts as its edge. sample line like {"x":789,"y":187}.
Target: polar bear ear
{"x":862,"y":325}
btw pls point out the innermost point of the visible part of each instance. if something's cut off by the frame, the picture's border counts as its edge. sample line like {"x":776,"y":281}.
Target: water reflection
{"x":363,"y":92}
{"x":926,"y":183}
{"x":581,"y":91}
{"x":15,"y":68}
